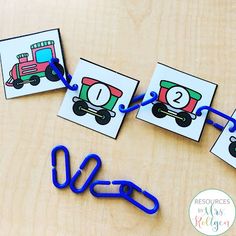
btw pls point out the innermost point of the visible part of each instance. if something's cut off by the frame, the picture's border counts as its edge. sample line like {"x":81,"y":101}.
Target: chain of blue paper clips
{"x":153,"y":98}
{"x":126,"y":188}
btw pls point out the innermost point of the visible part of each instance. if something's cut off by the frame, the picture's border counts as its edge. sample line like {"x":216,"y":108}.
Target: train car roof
{"x":193,"y":94}
{"x":114,"y":91}
{"x":42,"y":44}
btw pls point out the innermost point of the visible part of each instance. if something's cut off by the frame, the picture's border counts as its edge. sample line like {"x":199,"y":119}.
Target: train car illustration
{"x":176,"y":101}
{"x":98,"y":99}
{"x":30,"y":71}
{"x":232,"y":146}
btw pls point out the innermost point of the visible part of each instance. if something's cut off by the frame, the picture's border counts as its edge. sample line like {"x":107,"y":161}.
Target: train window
{"x":43,"y":55}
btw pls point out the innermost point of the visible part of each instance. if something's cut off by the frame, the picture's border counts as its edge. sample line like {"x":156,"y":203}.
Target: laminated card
{"x":24,"y":62}
{"x":179,"y":96}
{"x":95,"y":104}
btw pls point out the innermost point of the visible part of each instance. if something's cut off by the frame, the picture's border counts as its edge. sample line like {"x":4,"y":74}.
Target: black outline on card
{"x":218,"y":139}
{"x":25,"y":35}
{"x":128,"y":77}
{"x":207,"y":111}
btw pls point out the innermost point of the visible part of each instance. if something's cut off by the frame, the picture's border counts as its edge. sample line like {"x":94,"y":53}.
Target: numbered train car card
{"x":24,"y":63}
{"x":179,"y":96}
{"x":95,"y":104}
{"x":225,"y":146}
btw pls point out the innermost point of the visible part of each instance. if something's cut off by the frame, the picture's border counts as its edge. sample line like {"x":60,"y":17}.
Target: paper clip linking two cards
{"x":219,"y":113}
{"x":126,"y":188}
{"x":153,"y":98}
{"x":54,"y":61}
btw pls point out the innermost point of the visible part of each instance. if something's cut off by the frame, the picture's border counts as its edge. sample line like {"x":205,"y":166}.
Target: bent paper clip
{"x":91,"y":176}
{"x":126,"y":189}
{"x":67,"y":166}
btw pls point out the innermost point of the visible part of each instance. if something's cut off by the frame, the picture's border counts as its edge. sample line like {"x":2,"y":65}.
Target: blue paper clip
{"x":67,"y":166}
{"x":52,"y":63}
{"x":153,"y":98}
{"x":125,"y":191}
{"x":91,"y":176}
{"x":128,"y":190}
{"x":219,"y":113}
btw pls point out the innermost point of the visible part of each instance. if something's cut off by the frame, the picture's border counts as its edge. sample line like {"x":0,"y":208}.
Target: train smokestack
{"x":23,"y":57}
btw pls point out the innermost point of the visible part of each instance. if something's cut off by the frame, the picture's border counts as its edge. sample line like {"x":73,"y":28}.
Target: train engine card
{"x":24,"y":62}
{"x":225,"y":146}
{"x":95,"y":104}
{"x":179,"y":96}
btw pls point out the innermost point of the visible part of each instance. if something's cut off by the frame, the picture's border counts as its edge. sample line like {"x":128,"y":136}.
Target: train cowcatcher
{"x":96,"y":98}
{"x":30,"y":71}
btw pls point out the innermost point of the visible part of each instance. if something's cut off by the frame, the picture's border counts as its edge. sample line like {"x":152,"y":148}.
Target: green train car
{"x":98,"y":99}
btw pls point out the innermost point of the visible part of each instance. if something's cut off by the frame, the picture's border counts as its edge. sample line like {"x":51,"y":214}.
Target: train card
{"x":179,"y":96}
{"x":225,"y":145}
{"x":95,"y":104}
{"x":24,"y":63}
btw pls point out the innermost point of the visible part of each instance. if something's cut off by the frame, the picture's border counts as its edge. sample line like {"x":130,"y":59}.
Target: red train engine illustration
{"x":176,"y":101}
{"x":232,"y":146}
{"x":30,"y":71}
{"x":98,"y":99}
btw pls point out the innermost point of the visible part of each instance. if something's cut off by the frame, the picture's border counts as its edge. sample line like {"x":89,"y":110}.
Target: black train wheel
{"x":185,"y":121}
{"x":34,"y":80}
{"x":51,"y":74}
{"x":77,"y":108}
{"x":105,"y":119}
{"x":232,"y":149}
{"x":157,"y":110}
{"x":18,"y":84}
